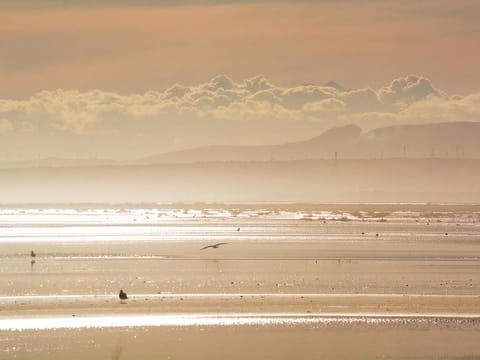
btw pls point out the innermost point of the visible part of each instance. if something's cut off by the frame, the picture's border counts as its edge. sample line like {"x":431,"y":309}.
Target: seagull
{"x":213,"y":246}
{"x":32,"y":254}
{"x":123,"y":296}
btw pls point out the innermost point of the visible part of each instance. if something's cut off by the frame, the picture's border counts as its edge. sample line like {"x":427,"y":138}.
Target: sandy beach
{"x":293,"y":284}
{"x":239,"y":180}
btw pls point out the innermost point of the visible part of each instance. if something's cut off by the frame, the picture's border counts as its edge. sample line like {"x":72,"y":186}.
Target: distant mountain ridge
{"x":435,"y":140}
{"x":335,"y":85}
{"x":443,"y":140}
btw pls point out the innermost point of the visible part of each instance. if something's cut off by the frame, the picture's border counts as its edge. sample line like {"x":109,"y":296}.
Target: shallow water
{"x":117,"y":225}
{"x":310,"y":277}
{"x":158,"y":250}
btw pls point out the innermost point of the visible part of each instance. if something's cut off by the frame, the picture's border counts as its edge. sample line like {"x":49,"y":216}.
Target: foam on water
{"x":32,"y":216}
{"x":98,"y":225}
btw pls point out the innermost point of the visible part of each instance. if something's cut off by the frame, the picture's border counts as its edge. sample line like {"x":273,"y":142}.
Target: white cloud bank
{"x":220,"y":111}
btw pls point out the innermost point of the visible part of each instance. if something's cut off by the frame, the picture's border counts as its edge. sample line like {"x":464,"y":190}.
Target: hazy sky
{"x":135,"y":46}
{"x":116,"y":63}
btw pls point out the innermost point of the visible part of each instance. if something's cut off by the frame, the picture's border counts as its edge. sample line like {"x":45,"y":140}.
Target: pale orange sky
{"x":96,"y":78}
{"x":131,"y":48}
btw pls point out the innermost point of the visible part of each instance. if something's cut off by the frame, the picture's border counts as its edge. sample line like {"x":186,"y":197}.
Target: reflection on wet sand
{"x":315,"y":276}
{"x":239,"y":319}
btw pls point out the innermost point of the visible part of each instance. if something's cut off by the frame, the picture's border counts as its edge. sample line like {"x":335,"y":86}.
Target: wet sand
{"x":247,"y":342}
{"x":286,"y":267}
{"x":435,"y":340}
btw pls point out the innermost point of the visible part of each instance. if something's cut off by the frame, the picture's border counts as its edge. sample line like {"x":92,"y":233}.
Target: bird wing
{"x":213,"y":246}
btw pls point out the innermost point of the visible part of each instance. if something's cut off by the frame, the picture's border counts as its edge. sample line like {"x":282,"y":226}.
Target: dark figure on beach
{"x":32,"y":254}
{"x":213,"y":246}
{"x":123,"y":296}
{"x":238,"y":229}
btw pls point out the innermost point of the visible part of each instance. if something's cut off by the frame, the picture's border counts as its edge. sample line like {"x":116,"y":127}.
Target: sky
{"x":124,"y":79}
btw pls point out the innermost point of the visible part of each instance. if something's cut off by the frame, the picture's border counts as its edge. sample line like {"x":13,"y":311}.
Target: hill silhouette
{"x":437,"y":140}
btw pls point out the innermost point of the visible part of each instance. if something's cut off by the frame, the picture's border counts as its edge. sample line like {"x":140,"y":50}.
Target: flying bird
{"x":123,"y":296}
{"x":213,"y":246}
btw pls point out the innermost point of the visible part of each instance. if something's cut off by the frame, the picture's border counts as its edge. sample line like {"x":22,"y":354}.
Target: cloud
{"x":296,"y":97}
{"x":221,"y":111}
{"x":327,"y":106}
{"x":257,"y":84}
{"x":407,"y":90}
{"x":430,"y":109}
{"x":362,"y":100}
{"x":439,"y":109}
